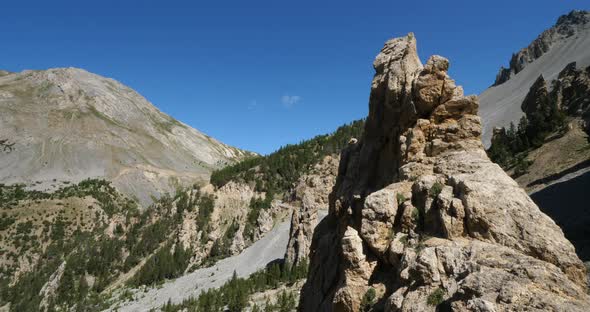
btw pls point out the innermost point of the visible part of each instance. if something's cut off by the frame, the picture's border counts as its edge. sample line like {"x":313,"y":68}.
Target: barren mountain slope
{"x":68,"y":124}
{"x":500,"y":104}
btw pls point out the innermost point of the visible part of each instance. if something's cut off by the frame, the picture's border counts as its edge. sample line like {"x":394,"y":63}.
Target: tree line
{"x":277,"y":172}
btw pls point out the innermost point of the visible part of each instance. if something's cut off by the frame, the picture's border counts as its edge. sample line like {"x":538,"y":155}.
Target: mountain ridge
{"x":69,"y":124}
{"x":500,"y":103}
{"x":566,"y":26}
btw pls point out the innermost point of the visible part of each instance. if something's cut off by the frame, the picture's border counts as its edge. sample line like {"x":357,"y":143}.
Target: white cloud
{"x":289,"y":101}
{"x":252,"y":105}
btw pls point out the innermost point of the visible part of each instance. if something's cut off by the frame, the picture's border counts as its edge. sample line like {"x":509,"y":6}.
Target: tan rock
{"x":433,"y":86}
{"x":378,"y":216}
{"x":464,"y":237}
{"x":312,"y":192}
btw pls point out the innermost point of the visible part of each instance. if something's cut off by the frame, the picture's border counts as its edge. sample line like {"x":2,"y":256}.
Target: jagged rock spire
{"x":423,"y":217}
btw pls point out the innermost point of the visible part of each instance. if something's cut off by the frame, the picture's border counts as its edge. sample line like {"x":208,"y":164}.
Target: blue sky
{"x":261,"y":74}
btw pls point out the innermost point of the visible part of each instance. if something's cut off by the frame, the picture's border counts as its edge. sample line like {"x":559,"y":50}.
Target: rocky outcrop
{"x":537,"y":98}
{"x":420,"y":214}
{"x":569,"y":41}
{"x":311,"y":193}
{"x":571,"y":92}
{"x":49,"y":289}
{"x":567,"y":26}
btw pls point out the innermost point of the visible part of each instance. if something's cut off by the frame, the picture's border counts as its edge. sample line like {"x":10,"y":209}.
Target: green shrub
{"x":436,"y":297}
{"x":6,"y":221}
{"x":368,"y":299}
{"x":415,"y":214}
{"x":436,"y":188}
{"x":400,"y":198}
{"x":521,"y":167}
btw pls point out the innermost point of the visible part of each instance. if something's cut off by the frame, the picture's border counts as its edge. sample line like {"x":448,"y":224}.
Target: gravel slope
{"x":270,"y":247}
{"x":68,"y":124}
{"x":500,"y":105}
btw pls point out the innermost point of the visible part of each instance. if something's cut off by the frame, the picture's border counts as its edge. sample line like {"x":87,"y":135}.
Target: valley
{"x":435,"y":201}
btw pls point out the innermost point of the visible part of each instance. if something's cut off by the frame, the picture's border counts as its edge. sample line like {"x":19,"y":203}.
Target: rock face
{"x":312,"y":193}
{"x":571,"y":92}
{"x":68,"y":124}
{"x":566,"y":26}
{"x":566,"y":42}
{"x":537,"y":98}
{"x":423,"y":217}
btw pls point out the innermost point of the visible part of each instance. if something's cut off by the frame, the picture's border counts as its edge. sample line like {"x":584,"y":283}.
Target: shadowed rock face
{"x":312,"y":191}
{"x":422,"y":216}
{"x":567,"y":204}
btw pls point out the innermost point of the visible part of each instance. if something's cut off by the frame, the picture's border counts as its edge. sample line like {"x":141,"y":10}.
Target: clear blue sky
{"x":261,"y":74}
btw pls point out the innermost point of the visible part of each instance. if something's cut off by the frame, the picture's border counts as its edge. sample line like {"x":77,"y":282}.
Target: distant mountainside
{"x":67,"y":125}
{"x":566,"y":42}
{"x":546,"y":95}
{"x":50,"y":241}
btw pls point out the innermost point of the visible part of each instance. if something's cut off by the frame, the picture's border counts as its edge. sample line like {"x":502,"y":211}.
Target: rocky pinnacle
{"x":422,"y":219}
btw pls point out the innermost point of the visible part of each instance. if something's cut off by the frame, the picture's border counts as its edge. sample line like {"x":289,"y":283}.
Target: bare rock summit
{"x":421,"y":220}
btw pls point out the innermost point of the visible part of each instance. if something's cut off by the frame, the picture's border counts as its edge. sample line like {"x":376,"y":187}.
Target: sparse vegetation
{"x":285,"y":303}
{"x":6,"y":145}
{"x":415,"y":214}
{"x":368,"y":300}
{"x":400,"y":198}
{"x":436,"y":297}
{"x":256,"y":205}
{"x":101,"y":190}
{"x":89,"y":252}
{"x":435,"y":190}
{"x":221,"y":247}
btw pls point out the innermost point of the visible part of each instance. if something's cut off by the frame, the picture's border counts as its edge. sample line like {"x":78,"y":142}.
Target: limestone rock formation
{"x":420,"y":214}
{"x":311,"y":193}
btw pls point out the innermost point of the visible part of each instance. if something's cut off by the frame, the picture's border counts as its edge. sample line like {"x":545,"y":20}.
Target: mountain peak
{"x":69,"y":124}
{"x":566,"y":26}
{"x":575,"y":17}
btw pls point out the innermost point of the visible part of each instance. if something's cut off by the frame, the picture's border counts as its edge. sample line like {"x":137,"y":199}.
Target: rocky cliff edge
{"x":421,"y":220}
